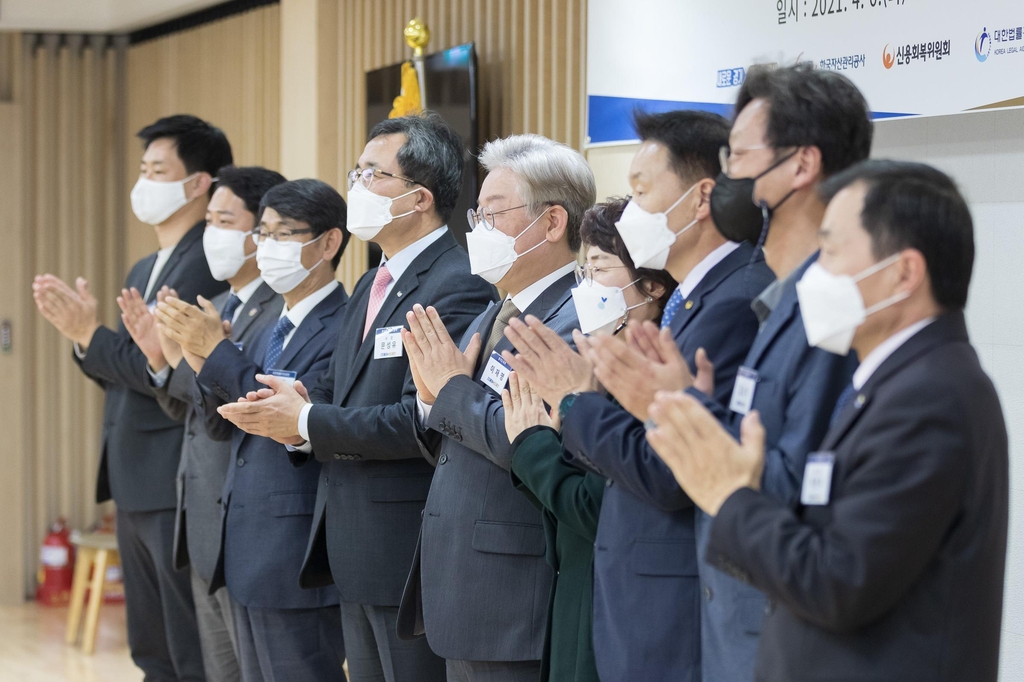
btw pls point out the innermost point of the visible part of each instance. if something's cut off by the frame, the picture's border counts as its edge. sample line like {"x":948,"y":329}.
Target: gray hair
{"x":549,"y":174}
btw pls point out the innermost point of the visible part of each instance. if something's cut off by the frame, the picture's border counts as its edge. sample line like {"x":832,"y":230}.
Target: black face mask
{"x":736,"y":215}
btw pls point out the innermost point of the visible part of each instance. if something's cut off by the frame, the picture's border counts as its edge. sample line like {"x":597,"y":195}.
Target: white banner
{"x":908,"y":57}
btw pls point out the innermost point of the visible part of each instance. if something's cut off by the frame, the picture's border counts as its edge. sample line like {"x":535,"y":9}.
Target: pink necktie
{"x":377,"y":291}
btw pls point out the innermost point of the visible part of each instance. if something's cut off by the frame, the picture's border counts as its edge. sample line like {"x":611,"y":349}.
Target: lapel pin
{"x":689,"y":304}
{"x":398,"y":295}
{"x":252,"y":312}
{"x":860,"y":400}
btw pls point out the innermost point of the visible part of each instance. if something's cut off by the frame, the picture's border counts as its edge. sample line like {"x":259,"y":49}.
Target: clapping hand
{"x":524,"y":408}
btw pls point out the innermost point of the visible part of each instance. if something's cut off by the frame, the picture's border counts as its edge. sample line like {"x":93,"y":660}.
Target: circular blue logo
{"x":982,"y":45}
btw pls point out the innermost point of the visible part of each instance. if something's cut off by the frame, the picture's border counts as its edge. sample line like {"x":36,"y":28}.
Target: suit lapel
{"x":400,"y":293}
{"x":251,"y":310}
{"x":484,"y":321}
{"x":311,"y":326}
{"x":950,"y":327}
{"x":172,"y":262}
{"x":785,"y":311}
{"x":545,"y":307}
{"x":140,"y":277}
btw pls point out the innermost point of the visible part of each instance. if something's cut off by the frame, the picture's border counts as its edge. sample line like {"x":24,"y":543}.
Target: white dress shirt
{"x":702,"y":268}
{"x":162,"y":256}
{"x":397,"y":265}
{"x":882,"y":352}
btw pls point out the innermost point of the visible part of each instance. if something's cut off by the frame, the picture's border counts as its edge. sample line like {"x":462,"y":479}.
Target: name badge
{"x":388,"y":343}
{"x":743,"y":390}
{"x":288,"y":377}
{"x":496,"y":373}
{"x":817,"y":479}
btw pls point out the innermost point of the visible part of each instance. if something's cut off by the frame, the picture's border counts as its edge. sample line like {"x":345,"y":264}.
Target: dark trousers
{"x":493,"y":671}
{"x":289,"y":645}
{"x":216,"y":631}
{"x":162,"y":633}
{"x":376,"y":654}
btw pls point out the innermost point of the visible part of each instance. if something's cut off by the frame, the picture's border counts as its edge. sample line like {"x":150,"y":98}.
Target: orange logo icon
{"x":887,"y":57}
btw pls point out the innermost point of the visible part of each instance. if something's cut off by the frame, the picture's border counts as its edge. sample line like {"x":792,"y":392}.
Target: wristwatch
{"x":566,"y":404}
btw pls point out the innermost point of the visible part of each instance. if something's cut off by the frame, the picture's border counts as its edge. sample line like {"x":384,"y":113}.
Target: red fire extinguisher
{"x":57,"y":559}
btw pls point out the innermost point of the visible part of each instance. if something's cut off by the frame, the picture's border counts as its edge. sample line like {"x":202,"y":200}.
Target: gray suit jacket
{"x":204,"y":462}
{"x":479,"y":585}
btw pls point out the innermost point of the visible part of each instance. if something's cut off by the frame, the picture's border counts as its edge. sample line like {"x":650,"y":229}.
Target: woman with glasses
{"x":569,"y":497}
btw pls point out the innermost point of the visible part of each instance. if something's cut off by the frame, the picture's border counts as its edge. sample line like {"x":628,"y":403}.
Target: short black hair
{"x":808,"y":107}
{"x":202,"y":148}
{"x":693,"y":139}
{"x":432,"y":156}
{"x":249,"y":183}
{"x":598,"y":229}
{"x":315,"y":203}
{"x":914,"y":206}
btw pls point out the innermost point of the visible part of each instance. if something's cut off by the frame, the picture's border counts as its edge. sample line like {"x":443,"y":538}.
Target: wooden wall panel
{"x":226,"y":72}
{"x":531,"y":54}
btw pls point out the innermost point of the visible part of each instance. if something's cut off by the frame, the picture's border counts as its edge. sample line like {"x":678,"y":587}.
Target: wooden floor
{"x":32,"y":647}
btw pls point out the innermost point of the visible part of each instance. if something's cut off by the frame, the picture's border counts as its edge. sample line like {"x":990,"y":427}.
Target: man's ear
{"x":203,"y":182}
{"x":557,"y":223}
{"x":809,"y":168}
{"x":424,"y":200}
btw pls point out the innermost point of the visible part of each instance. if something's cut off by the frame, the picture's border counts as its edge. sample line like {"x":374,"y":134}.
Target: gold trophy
{"x":413,"y":98}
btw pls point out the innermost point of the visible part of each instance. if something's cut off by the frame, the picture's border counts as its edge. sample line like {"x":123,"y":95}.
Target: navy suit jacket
{"x":479,"y":585}
{"x":899,"y":576}
{"x":374,"y":478}
{"x":646,"y":589}
{"x":797,"y":389}
{"x":268,"y":503}
{"x":142,"y":445}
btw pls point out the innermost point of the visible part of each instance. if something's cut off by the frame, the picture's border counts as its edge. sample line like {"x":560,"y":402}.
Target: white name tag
{"x":496,"y":373}
{"x":387,"y":343}
{"x":817,"y":478}
{"x":284,"y":375}
{"x":743,"y":390}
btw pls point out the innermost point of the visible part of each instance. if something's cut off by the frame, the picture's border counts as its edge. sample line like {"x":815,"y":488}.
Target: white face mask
{"x":646,"y":235}
{"x":492,"y":252}
{"x":280,"y":263}
{"x":368,"y":213}
{"x":601,"y":309}
{"x":154,"y":202}
{"x":832,"y":306}
{"x":225,"y":251}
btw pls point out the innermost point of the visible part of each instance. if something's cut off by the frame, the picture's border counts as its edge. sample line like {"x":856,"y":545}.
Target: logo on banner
{"x":914,"y":52}
{"x":888,"y":58}
{"x":983,"y":45}
{"x":730,"y":78}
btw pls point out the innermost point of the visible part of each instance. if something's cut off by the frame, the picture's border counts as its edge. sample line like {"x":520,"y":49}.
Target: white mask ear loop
{"x":538,"y":244}
{"x":878,"y":267}
{"x":678,"y":201}
{"x":401,"y":196}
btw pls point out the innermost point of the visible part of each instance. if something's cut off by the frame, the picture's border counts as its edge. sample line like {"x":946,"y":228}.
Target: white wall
{"x":984,"y":152}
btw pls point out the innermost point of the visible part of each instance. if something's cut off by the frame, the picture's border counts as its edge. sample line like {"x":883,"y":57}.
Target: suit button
{"x":337,"y":456}
{"x":444,"y":458}
{"x":708,"y":594}
{"x":240,"y":461}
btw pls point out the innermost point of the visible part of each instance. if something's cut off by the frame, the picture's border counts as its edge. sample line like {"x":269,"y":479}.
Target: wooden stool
{"x":95,"y":552}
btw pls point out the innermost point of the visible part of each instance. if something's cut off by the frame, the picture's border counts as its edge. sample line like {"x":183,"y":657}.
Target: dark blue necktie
{"x":671,"y":308}
{"x":284,"y":325}
{"x":845,"y":398}
{"x":230,"y":307}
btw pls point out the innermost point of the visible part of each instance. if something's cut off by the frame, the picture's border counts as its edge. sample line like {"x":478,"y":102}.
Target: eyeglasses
{"x":486,"y":216}
{"x":259,"y":235}
{"x":586,"y":272}
{"x":727,"y":154}
{"x":365,"y":177}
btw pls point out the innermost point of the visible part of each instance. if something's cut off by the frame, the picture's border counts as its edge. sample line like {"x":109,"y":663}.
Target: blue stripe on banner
{"x":610,"y":119}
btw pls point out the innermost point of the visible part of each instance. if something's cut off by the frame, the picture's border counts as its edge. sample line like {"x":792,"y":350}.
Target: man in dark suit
{"x":362,"y":423}
{"x":480,"y":585}
{"x":890,"y":564}
{"x":646,"y":594}
{"x":247,"y":309}
{"x":142,"y":445}
{"x":778,"y":155}
{"x":284,"y":632}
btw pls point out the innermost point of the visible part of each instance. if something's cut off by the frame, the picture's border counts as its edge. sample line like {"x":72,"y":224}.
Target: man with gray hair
{"x":479,"y":586}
